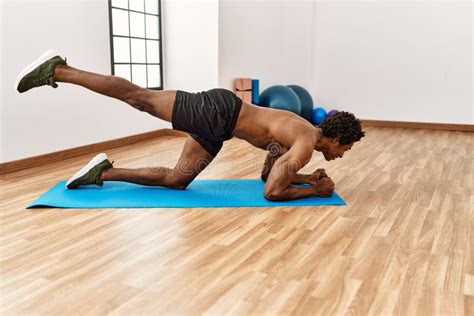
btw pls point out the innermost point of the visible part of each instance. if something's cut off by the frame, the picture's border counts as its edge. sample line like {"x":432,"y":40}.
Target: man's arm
{"x":297,"y":179}
{"x":278,"y":185}
{"x":310,"y":178}
{"x":268,"y":164}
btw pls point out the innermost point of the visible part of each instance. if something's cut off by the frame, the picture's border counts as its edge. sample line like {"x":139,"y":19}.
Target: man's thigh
{"x":194,"y":158}
{"x":161,"y":103}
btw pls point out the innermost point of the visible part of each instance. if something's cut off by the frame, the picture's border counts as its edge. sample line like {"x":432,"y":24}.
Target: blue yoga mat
{"x":200,"y":193}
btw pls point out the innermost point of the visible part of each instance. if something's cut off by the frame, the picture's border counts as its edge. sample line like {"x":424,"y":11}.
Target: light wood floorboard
{"x":402,"y":246}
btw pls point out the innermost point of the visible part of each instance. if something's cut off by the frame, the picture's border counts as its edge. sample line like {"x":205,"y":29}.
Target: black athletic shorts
{"x":209,"y":116}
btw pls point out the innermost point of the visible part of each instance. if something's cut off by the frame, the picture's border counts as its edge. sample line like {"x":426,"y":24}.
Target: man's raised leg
{"x":157,"y":103}
{"x":50,"y":68}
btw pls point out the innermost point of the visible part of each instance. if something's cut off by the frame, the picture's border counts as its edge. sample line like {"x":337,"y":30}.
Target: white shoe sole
{"x":44,"y":57}
{"x":94,"y":161}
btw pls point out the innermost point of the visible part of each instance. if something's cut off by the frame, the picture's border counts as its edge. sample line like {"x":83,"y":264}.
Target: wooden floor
{"x":403,"y":245}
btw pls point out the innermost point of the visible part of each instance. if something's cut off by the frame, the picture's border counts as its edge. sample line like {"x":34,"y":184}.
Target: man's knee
{"x":136,"y":97}
{"x":271,"y":195}
{"x":178,"y":182}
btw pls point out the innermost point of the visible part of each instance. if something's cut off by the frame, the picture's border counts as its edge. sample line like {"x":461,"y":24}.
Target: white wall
{"x":191,"y":44}
{"x":385,"y":60}
{"x":47,"y":120}
{"x":399,"y":61}
{"x":270,"y":40}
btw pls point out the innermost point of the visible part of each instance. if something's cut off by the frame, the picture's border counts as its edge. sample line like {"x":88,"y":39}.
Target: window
{"x":135,"y":41}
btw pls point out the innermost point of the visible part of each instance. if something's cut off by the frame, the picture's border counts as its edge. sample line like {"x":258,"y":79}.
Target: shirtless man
{"x":210,"y":118}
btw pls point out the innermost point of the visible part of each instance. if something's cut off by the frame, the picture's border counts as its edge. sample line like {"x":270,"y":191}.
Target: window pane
{"x":121,"y":50}
{"x":120,"y":3}
{"x":151,"y":6}
{"x":122,"y":71}
{"x":120,"y":22}
{"x":152,"y":52}
{"x":154,"y":80}
{"x":152,"y":30}
{"x":139,"y":75}
{"x":137,"y":5}
{"x":135,"y":34}
{"x":138,"y":51}
{"x":137,"y":24}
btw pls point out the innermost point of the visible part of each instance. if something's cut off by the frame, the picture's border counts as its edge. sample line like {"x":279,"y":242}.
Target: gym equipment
{"x":255,"y":91}
{"x":332,"y":112}
{"x":318,"y":115}
{"x":200,"y":193}
{"x":305,"y":99}
{"x":243,"y":89}
{"x":281,"y":97}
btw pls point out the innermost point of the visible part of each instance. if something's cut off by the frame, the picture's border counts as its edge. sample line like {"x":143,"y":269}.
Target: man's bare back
{"x":263,"y":127}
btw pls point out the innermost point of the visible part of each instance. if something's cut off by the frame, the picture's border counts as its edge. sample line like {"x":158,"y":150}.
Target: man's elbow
{"x":272,"y":195}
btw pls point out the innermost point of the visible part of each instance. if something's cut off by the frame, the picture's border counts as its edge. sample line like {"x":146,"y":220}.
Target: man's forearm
{"x":292,"y":193}
{"x":301,"y":178}
{"x":298,"y":178}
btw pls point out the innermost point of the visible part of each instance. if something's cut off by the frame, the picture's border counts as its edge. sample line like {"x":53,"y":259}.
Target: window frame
{"x":130,"y":37}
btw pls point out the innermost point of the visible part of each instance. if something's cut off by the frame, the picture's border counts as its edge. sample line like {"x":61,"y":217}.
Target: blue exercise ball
{"x":318,"y":115}
{"x":305,"y":99}
{"x":281,"y":97}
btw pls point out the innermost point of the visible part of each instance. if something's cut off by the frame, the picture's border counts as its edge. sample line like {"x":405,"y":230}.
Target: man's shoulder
{"x":306,"y":134}
{"x":293,"y":130}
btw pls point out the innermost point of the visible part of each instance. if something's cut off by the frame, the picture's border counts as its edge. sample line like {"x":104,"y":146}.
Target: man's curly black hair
{"x":342,"y":124}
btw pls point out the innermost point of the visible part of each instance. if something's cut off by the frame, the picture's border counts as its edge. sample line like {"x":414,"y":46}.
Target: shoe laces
{"x":98,"y":181}
{"x":44,"y":80}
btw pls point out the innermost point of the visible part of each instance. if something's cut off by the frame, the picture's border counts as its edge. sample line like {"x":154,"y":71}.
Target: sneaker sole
{"x":95,"y":161}
{"x":44,"y":57}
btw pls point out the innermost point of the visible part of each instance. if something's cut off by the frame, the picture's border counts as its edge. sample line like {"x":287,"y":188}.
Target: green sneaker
{"x":90,"y":174}
{"x":40,"y":72}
